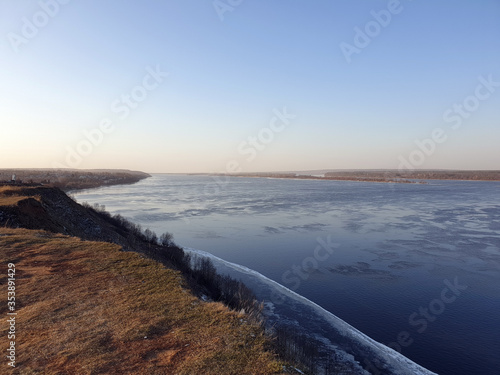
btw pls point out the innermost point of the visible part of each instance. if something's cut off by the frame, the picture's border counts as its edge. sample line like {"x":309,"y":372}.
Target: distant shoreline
{"x":71,"y":179}
{"x":305,"y":177}
{"x":377,"y":176}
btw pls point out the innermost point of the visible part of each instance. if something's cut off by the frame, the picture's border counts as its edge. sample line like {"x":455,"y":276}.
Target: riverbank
{"x":71,"y":179}
{"x":82,"y":304}
{"x":88,"y":307}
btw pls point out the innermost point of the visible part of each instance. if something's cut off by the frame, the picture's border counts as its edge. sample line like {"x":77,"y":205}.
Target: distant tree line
{"x":67,"y":179}
{"x":418,"y":174}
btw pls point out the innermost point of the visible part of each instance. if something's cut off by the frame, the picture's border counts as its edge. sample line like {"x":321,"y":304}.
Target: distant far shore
{"x":78,"y":179}
{"x":380,"y":176}
{"x":70,"y":179}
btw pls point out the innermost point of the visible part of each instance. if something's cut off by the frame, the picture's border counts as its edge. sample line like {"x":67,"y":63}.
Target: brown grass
{"x":11,"y":195}
{"x":89,"y":308}
{"x":4,"y":189}
{"x":10,"y":200}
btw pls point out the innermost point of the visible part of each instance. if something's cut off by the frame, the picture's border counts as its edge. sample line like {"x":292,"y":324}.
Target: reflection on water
{"x":397,"y":243}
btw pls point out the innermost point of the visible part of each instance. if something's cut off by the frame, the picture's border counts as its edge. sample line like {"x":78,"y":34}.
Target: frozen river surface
{"x":413,"y":266}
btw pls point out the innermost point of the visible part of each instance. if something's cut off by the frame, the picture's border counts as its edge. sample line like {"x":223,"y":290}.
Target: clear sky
{"x":260,"y":85}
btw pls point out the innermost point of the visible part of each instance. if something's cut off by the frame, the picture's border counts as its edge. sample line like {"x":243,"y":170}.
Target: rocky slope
{"x":50,"y":209}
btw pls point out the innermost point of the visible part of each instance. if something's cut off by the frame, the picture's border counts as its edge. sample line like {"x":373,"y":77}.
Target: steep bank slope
{"x":50,"y":209}
{"x":87,"y":308}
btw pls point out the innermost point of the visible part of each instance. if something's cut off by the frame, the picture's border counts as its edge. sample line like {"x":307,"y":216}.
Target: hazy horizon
{"x":322,"y":170}
{"x":240,"y":86}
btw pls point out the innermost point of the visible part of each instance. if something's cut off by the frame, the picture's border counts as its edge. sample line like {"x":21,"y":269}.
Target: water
{"x":389,"y":253}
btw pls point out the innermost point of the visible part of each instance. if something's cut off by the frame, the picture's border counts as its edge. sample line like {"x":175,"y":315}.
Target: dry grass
{"x":89,"y":308}
{"x":9,"y":196}
{"x":10,"y":200}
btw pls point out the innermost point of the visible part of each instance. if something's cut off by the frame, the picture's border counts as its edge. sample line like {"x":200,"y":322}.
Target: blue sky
{"x":225,"y":68}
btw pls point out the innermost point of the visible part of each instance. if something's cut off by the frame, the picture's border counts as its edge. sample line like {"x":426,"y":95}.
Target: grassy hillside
{"x":86,"y":307}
